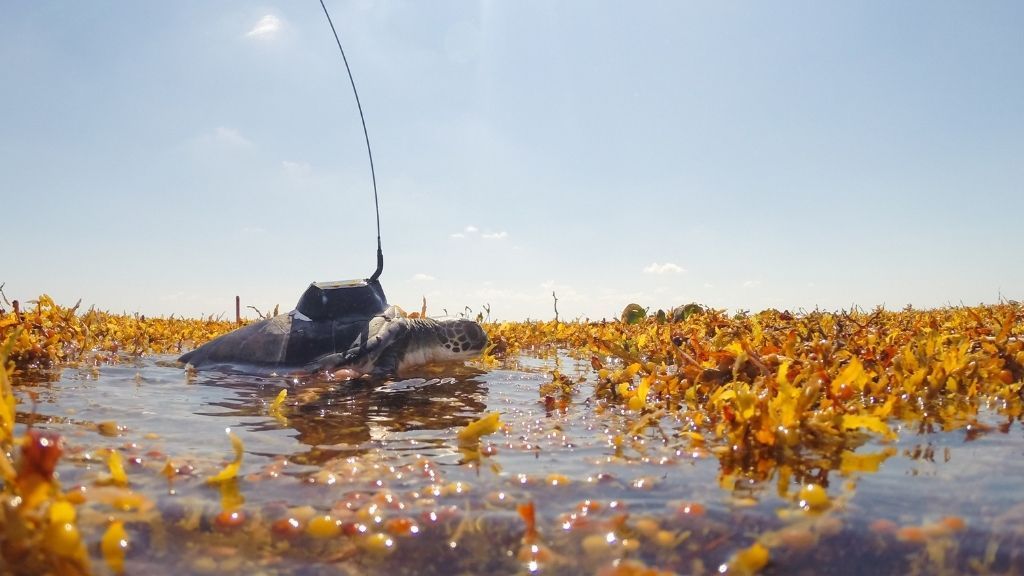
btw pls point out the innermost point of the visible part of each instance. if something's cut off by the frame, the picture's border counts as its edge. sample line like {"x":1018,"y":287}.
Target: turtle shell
{"x":329,"y":318}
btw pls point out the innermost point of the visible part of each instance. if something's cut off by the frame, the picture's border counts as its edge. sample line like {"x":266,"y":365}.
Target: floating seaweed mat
{"x":770,"y":399}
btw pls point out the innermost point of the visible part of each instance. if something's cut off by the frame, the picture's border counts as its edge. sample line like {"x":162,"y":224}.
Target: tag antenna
{"x":373,"y":175}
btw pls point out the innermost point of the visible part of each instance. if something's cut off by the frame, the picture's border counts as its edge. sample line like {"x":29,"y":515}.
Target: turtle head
{"x":430,"y":341}
{"x":461,"y":338}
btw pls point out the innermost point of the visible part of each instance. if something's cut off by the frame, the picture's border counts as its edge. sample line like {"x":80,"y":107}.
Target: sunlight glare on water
{"x":353,"y":471}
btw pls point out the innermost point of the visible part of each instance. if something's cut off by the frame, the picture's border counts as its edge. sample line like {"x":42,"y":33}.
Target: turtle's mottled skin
{"x":383,"y":346}
{"x":352,"y":328}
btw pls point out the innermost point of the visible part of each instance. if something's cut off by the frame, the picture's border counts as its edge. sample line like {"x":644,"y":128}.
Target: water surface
{"x":382,"y":463}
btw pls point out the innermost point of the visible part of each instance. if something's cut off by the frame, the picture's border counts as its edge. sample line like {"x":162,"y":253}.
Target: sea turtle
{"x":345,"y":327}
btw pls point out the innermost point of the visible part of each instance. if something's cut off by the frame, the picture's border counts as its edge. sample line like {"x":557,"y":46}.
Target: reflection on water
{"x":384,"y":456}
{"x":343,"y":418}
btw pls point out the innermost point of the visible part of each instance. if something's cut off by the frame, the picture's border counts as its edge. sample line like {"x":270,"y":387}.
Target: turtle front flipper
{"x":376,"y":355}
{"x":386,"y":365}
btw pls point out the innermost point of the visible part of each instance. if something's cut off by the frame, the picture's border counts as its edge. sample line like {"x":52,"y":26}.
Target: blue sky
{"x":162,"y":157}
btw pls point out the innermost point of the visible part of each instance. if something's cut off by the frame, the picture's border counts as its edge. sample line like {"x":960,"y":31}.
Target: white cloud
{"x":267,"y":27}
{"x":221,"y":138}
{"x":231,"y":137}
{"x":467,"y":231}
{"x":471,"y":230}
{"x":666,"y":268}
{"x":296,"y":169}
{"x":751,"y":283}
{"x":420,"y":277}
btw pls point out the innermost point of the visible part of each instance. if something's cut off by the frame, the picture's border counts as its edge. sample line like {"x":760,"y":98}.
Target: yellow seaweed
{"x":230,"y":471}
{"x":114,"y":545}
{"x":277,"y":407}
{"x":872,"y":423}
{"x":488,"y":424}
{"x":116,"y":464}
